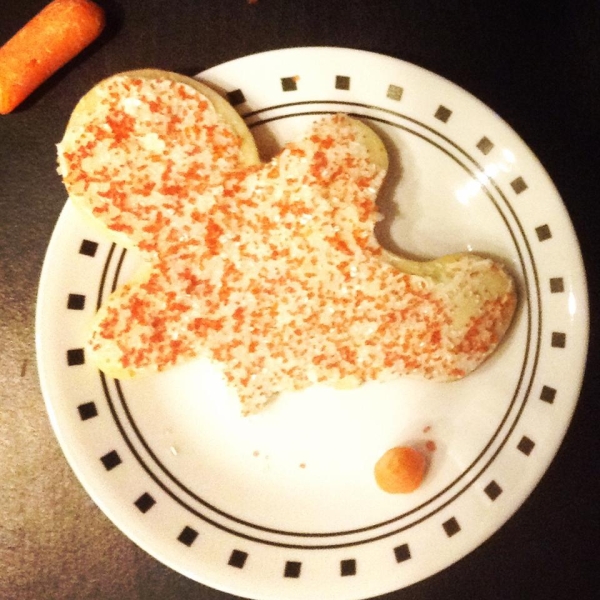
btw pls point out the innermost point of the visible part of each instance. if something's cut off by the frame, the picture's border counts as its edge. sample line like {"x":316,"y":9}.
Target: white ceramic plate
{"x":284,"y":504}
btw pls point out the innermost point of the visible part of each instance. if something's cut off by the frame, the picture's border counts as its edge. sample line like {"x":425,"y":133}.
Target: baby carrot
{"x":51,"y":39}
{"x":400,"y":470}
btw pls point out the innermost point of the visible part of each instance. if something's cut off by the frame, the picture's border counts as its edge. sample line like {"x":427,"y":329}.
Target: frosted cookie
{"x":271,"y":271}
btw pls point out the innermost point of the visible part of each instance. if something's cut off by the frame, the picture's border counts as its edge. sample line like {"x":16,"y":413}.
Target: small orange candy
{"x":400,"y":470}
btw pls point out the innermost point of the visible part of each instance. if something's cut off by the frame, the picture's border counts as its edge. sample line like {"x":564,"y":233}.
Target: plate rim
{"x":565,"y":220}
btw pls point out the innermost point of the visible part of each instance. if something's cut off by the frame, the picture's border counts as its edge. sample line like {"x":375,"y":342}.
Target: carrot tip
{"x":42,"y":46}
{"x":400,"y":470}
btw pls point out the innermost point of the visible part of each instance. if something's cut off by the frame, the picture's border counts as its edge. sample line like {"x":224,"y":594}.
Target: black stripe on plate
{"x":525,"y":445}
{"x":485,"y":145}
{"x":145,"y":502}
{"x":76,"y":302}
{"x":87,"y":411}
{"x":394,"y":92}
{"x":557,"y":285}
{"x":288,"y":84}
{"x":492,"y":490}
{"x":451,"y":527}
{"x":543,"y":233}
{"x":342,"y":82}
{"x":238,"y":559}
{"x":75,"y":356}
{"x":111,"y":460}
{"x":518,"y":185}
{"x":292,"y":569}
{"x":548,"y":394}
{"x":88,"y":248}
{"x":236,"y":97}
{"x":348,"y":567}
{"x":187,"y":536}
{"x":402,"y":553}
{"x":442,"y":114}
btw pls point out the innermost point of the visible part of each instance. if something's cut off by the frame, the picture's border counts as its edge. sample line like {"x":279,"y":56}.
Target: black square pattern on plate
{"x":548,"y":394}
{"x":76,"y":302}
{"x":525,"y":445}
{"x":442,"y":114}
{"x":238,"y":559}
{"x":559,"y":340}
{"x":485,"y":145}
{"x":342,"y":82}
{"x":75,"y":357}
{"x":543,"y":233}
{"x":348,"y":567}
{"x":451,"y":527}
{"x":402,"y":553}
{"x":145,"y":502}
{"x":557,"y":285}
{"x":236,"y":97}
{"x":518,"y":185}
{"x":187,"y":536}
{"x":292,"y":569}
{"x":111,"y":460}
{"x":492,"y":490}
{"x":394,"y":92}
{"x":88,"y":248}
{"x":288,"y":84}
{"x":87,"y":411}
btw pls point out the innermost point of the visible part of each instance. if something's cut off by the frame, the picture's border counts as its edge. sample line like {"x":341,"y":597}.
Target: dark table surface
{"x":537,"y":64}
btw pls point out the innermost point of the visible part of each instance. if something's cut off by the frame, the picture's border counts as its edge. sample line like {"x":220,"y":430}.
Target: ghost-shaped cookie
{"x":272,"y":271}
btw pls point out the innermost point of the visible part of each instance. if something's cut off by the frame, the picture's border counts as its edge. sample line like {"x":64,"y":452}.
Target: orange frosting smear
{"x":271,"y":271}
